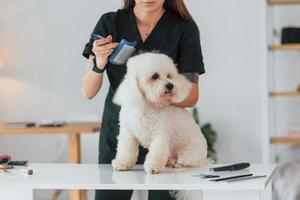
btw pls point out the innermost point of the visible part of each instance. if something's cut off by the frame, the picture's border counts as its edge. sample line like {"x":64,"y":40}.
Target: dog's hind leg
{"x":195,"y":154}
{"x":127,"y":151}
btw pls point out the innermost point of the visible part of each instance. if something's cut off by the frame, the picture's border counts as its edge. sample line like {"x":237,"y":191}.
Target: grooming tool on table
{"x":247,"y":178}
{"x":233,"y":167}
{"x":17,"y":163}
{"x":206,"y":175}
{"x":26,"y":171}
{"x":231,"y":177}
{"x":121,"y":53}
{"x":210,"y":176}
{"x":4,"y":159}
{"x":4,"y":168}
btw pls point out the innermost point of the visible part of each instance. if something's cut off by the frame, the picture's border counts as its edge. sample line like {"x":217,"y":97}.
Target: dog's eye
{"x":155,"y":76}
{"x":169,"y":76}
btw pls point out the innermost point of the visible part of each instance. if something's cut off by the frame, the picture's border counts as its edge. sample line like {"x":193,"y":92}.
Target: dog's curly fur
{"x":170,"y":133}
{"x":286,"y":182}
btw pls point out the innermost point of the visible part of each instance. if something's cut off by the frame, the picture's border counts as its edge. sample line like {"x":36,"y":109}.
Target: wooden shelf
{"x":71,"y":128}
{"x":285,"y":47}
{"x":285,"y":140}
{"x":283,"y":1}
{"x":285,"y":94}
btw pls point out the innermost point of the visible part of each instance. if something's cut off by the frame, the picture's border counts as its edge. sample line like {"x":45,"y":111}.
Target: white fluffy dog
{"x":170,"y":133}
{"x":286,"y":182}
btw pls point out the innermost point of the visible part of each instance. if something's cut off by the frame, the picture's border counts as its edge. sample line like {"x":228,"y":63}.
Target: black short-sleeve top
{"x":172,"y":35}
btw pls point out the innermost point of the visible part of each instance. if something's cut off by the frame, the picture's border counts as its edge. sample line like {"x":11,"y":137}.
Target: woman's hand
{"x":192,"y":98}
{"x":102,"y":49}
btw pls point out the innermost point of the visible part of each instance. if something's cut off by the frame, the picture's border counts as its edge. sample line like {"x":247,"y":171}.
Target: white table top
{"x":93,"y":176}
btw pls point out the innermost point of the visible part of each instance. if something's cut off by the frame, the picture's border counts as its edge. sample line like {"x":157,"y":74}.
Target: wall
{"x":41,"y":42}
{"x":233,"y":89}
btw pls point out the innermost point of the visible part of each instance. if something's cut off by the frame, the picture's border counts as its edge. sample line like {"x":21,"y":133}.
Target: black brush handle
{"x":234,"y":167}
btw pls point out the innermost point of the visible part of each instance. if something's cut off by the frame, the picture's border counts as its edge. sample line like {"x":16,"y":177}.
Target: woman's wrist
{"x":98,"y":64}
{"x":98,"y":68}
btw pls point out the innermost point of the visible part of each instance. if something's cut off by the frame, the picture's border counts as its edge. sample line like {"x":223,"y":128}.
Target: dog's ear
{"x":183,"y":88}
{"x":128,"y":91}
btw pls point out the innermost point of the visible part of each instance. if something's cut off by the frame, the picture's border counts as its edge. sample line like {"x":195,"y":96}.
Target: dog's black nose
{"x":169,"y":86}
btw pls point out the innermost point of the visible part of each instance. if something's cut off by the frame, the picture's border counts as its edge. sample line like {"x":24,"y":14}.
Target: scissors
{"x":4,"y":169}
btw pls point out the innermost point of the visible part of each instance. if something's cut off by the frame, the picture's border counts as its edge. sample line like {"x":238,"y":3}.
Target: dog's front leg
{"x":127,"y":151}
{"x":158,"y":154}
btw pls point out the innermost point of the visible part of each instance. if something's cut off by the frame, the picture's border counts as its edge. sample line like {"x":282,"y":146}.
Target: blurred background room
{"x":250,"y":93}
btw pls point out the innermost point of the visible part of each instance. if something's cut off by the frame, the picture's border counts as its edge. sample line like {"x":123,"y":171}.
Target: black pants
{"x":107,"y":152}
{"x":126,"y":195}
{"x":107,"y":148}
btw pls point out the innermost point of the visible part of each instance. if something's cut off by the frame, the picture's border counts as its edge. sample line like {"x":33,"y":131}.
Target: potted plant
{"x":209,"y":134}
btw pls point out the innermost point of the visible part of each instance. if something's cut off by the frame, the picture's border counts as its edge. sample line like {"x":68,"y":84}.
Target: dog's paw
{"x":153,"y":167}
{"x":172,"y":163}
{"x":185,"y":163}
{"x":119,"y":165}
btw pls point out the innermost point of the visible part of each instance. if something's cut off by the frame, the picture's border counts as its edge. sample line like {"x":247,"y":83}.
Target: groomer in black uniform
{"x":161,"y":25}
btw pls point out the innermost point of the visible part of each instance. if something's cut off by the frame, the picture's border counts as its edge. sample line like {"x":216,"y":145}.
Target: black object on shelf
{"x":19,"y":124}
{"x":50,"y":123}
{"x":290,"y":35}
